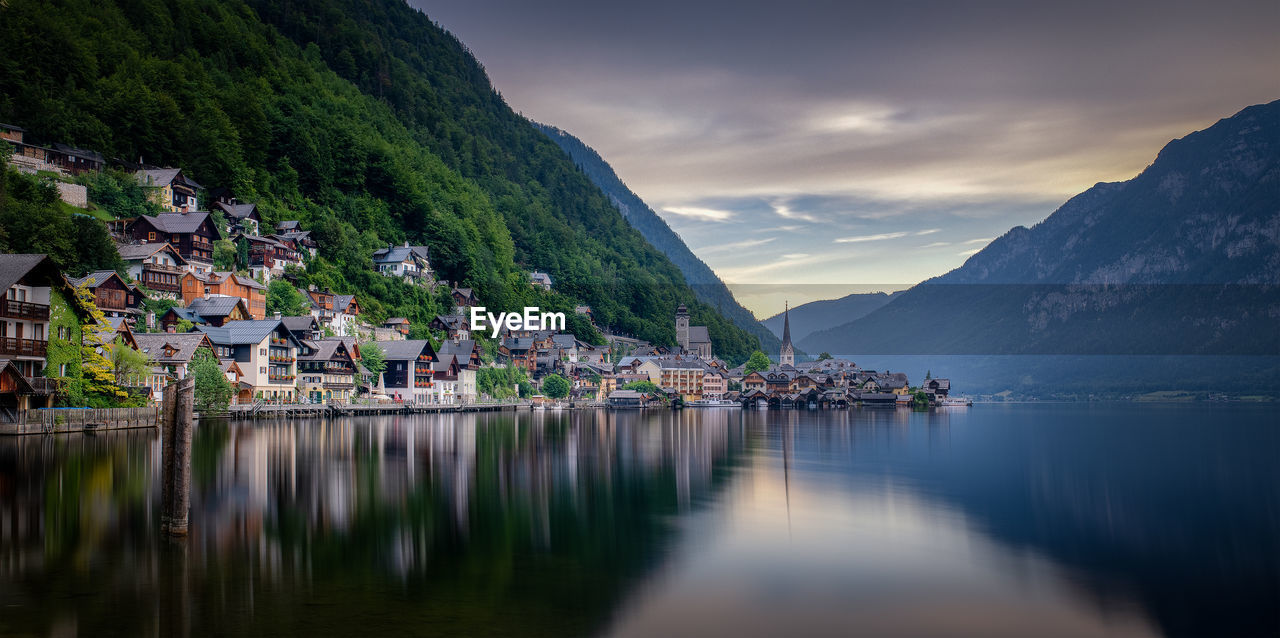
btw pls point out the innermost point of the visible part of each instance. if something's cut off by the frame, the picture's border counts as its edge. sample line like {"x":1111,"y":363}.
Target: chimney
{"x":277,"y":315}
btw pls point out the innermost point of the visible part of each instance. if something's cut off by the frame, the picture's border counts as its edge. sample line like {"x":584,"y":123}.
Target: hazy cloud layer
{"x":855,"y":143}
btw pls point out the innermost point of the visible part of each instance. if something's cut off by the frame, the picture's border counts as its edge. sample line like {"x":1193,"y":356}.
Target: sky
{"x":806,"y":149}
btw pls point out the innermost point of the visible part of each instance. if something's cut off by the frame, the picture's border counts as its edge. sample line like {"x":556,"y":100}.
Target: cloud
{"x":795,"y":255}
{"x":707,"y":214}
{"x":784,"y":211}
{"x":969,"y":252}
{"x":929,"y":231}
{"x":937,"y":244}
{"x":737,"y":245}
{"x":878,"y":237}
{"x":980,"y":240}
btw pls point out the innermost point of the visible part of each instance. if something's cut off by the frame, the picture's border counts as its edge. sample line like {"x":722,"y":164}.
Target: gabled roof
{"x":305,"y":323}
{"x":180,"y":223}
{"x":138,"y":252}
{"x":238,"y":211}
{"x":217,"y":306}
{"x":407,"y":349}
{"x":395,"y":320}
{"x":13,"y":268}
{"x":184,"y":345}
{"x":462,"y":348}
{"x":157,"y":176}
{"x":539,"y":277}
{"x":326,"y":349}
{"x":518,"y":343}
{"x":249,"y":332}
{"x":287,"y":225}
{"x":698,"y":334}
{"x":393,"y":255}
{"x":564,"y":341}
{"x":96,"y":278}
{"x":343,"y":302}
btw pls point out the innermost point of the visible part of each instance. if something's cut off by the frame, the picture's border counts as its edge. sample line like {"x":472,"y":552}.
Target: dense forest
{"x":363,"y":120}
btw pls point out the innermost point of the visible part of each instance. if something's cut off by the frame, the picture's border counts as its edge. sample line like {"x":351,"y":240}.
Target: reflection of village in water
{"x":573,"y":523}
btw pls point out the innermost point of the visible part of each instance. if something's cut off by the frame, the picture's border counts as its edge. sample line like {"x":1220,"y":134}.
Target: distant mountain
{"x":1182,"y":259}
{"x":820,"y":315}
{"x":706,"y":285}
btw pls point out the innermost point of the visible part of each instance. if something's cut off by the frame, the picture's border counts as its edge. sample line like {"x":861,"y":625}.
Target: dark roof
{"x":217,"y":306}
{"x":287,"y":225}
{"x":237,"y":211}
{"x":342,"y":301}
{"x":395,"y":320}
{"x":12,"y":127}
{"x":392,"y":255}
{"x":96,"y":278}
{"x":462,"y":349}
{"x":79,"y":152}
{"x":305,"y":323}
{"x":184,"y":344}
{"x":407,"y":349}
{"x":138,"y":252}
{"x":157,"y":176}
{"x":518,"y":343}
{"x":177,"y":222}
{"x":325,"y":349}
{"x":698,"y":334}
{"x":242,"y":332}
{"x":564,"y":340}
{"x":14,"y":267}
{"x":185,"y":313}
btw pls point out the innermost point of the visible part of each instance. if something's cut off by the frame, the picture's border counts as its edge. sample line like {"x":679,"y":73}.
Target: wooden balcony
{"x":10,"y":346}
{"x":11,"y":309}
{"x":164,"y":268}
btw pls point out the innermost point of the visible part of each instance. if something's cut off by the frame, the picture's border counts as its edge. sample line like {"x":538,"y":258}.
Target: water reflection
{"x":1013,"y":520}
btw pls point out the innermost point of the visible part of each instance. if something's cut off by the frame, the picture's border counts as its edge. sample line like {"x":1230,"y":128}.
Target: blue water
{"x":1015,"y":520}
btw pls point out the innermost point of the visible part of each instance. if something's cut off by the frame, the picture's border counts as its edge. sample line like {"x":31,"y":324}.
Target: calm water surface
{"x":999,"y":520}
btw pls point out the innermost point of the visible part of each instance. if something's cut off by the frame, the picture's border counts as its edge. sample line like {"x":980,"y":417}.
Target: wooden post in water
{"x":175,"y":433}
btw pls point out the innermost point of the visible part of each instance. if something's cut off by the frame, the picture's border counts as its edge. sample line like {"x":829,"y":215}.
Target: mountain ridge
{"x":1184,"y":258}
{"x":705,"y":283}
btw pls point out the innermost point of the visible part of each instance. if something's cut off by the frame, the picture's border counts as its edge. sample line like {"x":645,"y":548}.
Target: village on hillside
{"x":97,"y":340}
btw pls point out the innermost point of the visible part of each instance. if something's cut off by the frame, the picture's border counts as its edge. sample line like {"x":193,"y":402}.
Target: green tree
{"x":213,"y":390}
{"x":374,"y":359}
{"x":556,"y":386}
{"x":131,"y":367}
{"x":920,"y":401}
{"x":928,"y":374}
{"x":224,"y":255}
{"x":526,"y":388}
{"x":757,"y":362}
{"x":824,"y":356}
{"x":648,"y":387}
{"x":283,"y":298}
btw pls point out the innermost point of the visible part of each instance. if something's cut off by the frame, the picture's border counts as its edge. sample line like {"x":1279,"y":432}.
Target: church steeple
{"x":787,"y":356}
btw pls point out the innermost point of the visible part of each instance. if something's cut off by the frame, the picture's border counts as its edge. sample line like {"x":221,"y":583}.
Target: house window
{"x":262,"y":370}
{"x":151,"y":236}
{"x":62,"y":369}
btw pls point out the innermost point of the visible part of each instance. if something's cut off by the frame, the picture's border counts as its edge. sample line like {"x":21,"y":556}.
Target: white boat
{"x":711,"y":403}
{"x":956,"y":402}
{"x":539,"y":406}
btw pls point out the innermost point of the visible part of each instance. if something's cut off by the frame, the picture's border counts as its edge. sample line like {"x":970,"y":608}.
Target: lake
{"x":1076,"y":519}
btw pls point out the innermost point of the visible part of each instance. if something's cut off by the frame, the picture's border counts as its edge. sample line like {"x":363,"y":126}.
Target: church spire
{"x":787,"y":356}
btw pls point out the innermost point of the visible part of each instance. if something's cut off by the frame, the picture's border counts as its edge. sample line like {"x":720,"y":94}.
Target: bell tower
{"x":682,"y":326}
{"x":787,"y":356}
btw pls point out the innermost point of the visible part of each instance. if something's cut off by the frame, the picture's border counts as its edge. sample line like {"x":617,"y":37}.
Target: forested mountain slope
{"x":709,"y":288}
{"x":362,"y":119}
